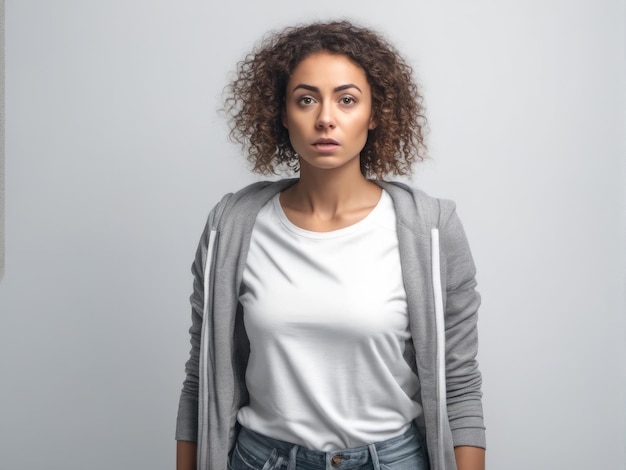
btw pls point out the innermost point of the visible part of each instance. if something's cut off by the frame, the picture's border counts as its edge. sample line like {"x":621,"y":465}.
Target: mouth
{"x":326,"y":145}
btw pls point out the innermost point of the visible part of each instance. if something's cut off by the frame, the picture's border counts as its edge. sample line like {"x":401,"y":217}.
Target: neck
{"x":328,"y":193}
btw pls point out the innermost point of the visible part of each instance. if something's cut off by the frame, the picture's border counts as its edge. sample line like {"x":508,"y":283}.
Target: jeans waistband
{"x":280,"y":454}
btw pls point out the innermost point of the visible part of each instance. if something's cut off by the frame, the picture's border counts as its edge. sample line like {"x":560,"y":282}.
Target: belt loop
{"x":292,"y":458}
{"x":374,"y":454}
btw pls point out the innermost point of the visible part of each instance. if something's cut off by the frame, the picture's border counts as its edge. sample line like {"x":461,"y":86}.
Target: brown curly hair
{"x":255,"y":99}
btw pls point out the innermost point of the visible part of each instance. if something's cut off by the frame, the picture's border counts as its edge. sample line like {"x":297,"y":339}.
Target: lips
{"x":326,"y":145}
{"x":326,"y":141}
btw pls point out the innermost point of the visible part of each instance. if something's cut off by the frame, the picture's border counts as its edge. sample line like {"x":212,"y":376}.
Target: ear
{"x":283,"y":117}
{"x":372,"y":124}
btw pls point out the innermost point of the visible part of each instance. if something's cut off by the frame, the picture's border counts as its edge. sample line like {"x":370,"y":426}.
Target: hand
{"x":469,"y":458}
{"x":186,"y":455}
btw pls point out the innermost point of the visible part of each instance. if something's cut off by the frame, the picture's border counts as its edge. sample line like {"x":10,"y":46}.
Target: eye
{"x":347,"y":100}
{"x":306,"y":101}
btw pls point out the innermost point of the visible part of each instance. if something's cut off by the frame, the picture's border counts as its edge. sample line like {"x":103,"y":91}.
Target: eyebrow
{"x":336,"y":89}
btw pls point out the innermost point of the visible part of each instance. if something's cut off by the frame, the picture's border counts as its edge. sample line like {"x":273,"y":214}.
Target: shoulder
{"x":256,"y":189}
{"x":413,"y":204}
{"x":246,"y":202}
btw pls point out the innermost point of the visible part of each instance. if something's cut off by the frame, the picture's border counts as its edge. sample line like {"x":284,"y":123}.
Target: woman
{"x":334,"y":315}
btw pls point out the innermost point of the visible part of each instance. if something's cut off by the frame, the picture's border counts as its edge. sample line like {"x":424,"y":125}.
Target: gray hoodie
{"x":439,"y":278}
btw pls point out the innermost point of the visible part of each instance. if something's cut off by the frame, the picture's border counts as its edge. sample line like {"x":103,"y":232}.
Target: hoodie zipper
{"x":441,"y":340}
{"x":204,"y":355}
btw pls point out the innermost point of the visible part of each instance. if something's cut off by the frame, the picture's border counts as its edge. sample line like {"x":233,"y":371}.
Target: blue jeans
{"x":253,"y":451}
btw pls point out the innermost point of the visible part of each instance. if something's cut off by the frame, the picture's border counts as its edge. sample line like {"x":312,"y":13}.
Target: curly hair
{"x":256,"y":97}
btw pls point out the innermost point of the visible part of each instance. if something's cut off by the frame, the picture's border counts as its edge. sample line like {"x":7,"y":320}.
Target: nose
{"x":325,"y":118}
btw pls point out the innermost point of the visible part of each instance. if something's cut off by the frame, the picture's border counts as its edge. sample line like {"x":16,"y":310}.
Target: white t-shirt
{"x":326,"y":316}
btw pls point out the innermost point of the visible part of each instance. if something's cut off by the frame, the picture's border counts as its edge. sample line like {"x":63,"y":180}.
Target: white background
{"x":115,"y":153}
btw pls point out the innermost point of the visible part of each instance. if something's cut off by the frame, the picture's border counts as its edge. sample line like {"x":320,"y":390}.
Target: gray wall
{"x":115,"y":153}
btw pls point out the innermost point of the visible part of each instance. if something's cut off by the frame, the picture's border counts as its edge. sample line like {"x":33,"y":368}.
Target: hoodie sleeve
{"x":461,"y":301}
{"x":187,"y":421}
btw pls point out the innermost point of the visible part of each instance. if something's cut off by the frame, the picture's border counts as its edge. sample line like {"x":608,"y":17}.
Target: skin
{"x":469,"y":458}
{"x":186,"y":452}
{"x":328,"y":98}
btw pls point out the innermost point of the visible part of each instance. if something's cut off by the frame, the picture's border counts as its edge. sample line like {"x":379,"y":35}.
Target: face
{"x":328,"y":111}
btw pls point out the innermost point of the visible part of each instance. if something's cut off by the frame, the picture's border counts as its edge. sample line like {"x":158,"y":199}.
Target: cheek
{"x":367,"y":124}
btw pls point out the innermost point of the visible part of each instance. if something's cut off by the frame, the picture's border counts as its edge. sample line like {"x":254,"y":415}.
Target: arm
{"x":187,"y":451}
{"x":185,"y":455}
{"x":469,"y":458}
{"x":187,"y":420}
{"x":463,"y":378}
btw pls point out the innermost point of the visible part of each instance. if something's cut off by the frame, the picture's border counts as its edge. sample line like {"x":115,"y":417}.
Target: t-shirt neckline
{"x":355,"y":227}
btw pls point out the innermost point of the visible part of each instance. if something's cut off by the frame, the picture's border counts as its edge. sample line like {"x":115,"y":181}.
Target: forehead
{"x":323,"y":68}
